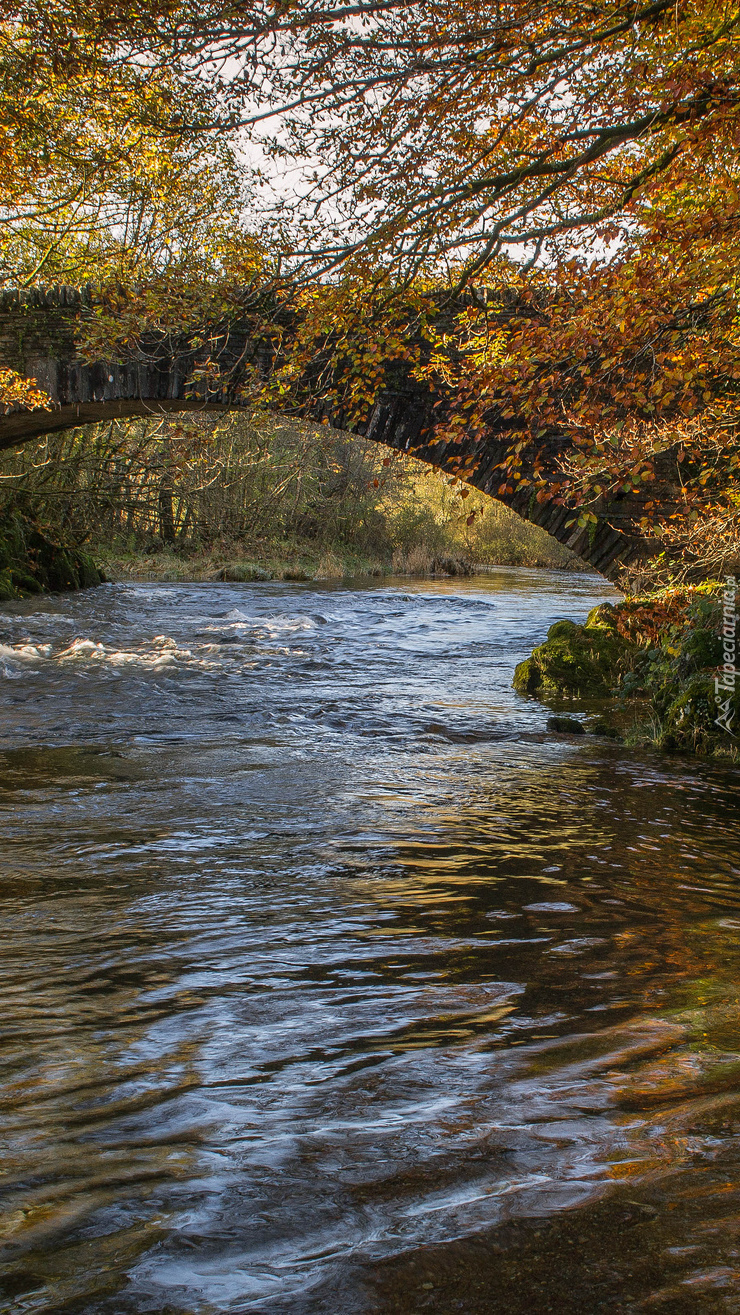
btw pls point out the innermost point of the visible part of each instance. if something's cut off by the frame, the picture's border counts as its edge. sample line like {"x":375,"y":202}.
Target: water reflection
{"x":332,"y":983}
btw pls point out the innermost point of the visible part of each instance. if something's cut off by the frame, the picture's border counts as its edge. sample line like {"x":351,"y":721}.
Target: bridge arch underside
{"x":398,"y":421}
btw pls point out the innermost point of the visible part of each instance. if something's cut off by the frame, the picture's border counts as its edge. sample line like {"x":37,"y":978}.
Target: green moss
{"x":563,"y":630}
{"x":30,"y":563}
{"x":24,"y":582}
{"x":527,"y":677}
{"x":690,"y":724}
{"x":574,"y":662}
{"x":605,"y":615}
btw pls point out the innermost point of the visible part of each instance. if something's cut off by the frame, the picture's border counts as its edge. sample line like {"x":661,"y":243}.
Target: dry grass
{"x":330,"y":567}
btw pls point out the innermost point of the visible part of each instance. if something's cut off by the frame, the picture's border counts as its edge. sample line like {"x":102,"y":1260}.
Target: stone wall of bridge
{"x":39,"y":329}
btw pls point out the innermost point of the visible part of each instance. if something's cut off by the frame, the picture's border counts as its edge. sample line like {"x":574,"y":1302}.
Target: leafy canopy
{"x":580,"y":157}
{"x":443,"y":131}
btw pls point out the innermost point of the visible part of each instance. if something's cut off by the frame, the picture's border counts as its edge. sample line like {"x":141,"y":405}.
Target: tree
{"x":578,"y":159}
{"x":444,"y":130}
{"x":113,"y":173}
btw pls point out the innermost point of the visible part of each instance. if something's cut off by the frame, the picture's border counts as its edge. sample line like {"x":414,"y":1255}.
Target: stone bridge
{"x":39,"y":329}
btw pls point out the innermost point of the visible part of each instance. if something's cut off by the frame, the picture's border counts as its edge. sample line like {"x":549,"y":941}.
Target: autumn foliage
{"x":355,"y":166}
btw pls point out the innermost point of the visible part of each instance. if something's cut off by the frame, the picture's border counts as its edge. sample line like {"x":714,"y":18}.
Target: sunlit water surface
{"x":333,"y":984}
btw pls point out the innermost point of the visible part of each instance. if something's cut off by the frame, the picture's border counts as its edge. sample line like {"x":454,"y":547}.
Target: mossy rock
{"x":563,"y":630}
{"x":691,"y":720}
{"x":670,"y":665}
{"x":527,"y":677}
{"x":31,"y":563}
{"x":605,"y":615}
{"x":603,"y":728}
{"x":24,"y":582}
{"x":575,"y":661}
{"x":243,"y":573}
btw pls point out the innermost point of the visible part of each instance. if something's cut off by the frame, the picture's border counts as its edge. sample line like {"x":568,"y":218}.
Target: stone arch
{"x":37,"y":338}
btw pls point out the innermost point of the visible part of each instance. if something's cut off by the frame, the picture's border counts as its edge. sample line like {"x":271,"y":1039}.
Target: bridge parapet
{"x":40,"y":331}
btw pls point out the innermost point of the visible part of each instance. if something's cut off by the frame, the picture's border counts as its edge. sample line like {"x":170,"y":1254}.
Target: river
{"x":334,"y":984}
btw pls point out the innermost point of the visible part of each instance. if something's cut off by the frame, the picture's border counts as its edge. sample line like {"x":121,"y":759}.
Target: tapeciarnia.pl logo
{"x":724,"y":683}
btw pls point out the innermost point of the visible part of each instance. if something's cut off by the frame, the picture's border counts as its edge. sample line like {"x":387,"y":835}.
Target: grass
{"x":293,"y":560}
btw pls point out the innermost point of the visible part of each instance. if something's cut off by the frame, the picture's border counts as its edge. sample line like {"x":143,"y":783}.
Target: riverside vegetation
{"x":241,"y":498}
{"x":645,"y":670}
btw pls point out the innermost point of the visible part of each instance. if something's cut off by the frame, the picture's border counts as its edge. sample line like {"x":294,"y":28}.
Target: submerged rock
{"x":566,"y":725}
{"x":601,"y":727}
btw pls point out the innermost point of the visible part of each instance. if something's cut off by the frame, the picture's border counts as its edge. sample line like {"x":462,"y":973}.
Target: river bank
{"x":655,"y":671}
{"x":31,"y":561}
{"x":252,"y":499}
{"x":304,"y":560}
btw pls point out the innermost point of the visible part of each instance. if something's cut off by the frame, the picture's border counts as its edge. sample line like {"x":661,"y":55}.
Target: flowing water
{"x":333,"y":984}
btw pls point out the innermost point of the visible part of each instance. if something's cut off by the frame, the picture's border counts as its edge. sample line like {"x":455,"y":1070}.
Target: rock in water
{"x":566,"y":726}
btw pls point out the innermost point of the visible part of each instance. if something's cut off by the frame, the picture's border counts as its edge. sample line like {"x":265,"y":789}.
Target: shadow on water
{"x":331,"y":983}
